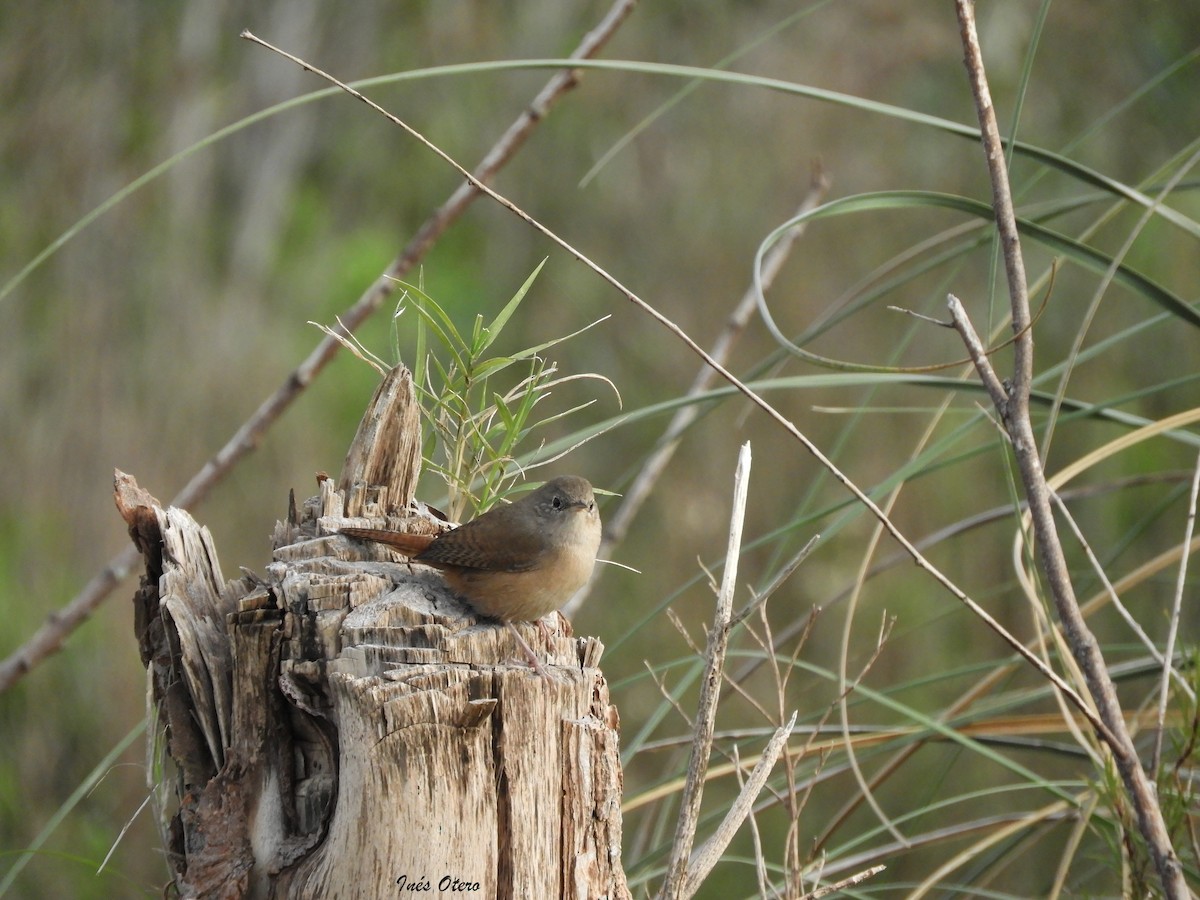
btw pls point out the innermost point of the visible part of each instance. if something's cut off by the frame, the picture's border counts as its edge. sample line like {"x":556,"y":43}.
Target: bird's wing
{"x":487,"y":549}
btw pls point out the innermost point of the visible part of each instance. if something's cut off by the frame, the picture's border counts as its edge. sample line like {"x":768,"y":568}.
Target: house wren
{"x":517,"y":562}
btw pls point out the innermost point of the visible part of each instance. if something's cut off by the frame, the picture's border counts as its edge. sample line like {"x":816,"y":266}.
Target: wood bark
{"x":343,"y":726}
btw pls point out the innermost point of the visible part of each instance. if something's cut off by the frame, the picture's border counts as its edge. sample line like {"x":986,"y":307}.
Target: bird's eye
{"x":558,"y":502}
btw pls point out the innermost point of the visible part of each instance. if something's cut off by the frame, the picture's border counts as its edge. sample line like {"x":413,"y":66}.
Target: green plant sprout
{"x":476,"y":423}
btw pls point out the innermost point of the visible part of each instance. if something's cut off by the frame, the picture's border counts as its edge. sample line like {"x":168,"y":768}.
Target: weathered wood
{"x":181,"y":609}
{"x":344,"y":726}
{"x":384,"y":460}
{"x":454,"y":755}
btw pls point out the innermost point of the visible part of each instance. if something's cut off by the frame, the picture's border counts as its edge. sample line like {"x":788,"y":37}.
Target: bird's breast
{"x":528,"y":595}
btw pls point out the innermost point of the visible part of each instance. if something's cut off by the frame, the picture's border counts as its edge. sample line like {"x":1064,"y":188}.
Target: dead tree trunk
{"x":343,"y":727}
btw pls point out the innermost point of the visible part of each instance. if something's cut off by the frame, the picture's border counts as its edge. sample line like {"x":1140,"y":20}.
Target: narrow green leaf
{"x":479,"y":339}
{"x":497,"y":324}
{"x":505,"y":415}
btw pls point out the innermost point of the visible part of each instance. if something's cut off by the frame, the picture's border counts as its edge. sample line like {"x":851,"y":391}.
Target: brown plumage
{"x":516,"y":562}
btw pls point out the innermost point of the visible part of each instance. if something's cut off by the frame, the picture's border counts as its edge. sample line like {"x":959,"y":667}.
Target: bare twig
{"x":991,"y":381}
{"x":940,"y":577}
{"x":794,"y":798}
{"x":1008,"y":406}
{"x":760,"y":858}
{"x":678,"y":879}
{"x":1173,"y":630}
{"x":777,"y":582}
{"x":924,"y":318}
{"x":633,"y":498}
{"x":709,"y":853}
{"x":673,"y":702}
{"x":703,"y":859}
{"x":1012,"y":403}
{"x":60,"y":624}
{"x":1115,"y":598}
{"x":845,"y":883}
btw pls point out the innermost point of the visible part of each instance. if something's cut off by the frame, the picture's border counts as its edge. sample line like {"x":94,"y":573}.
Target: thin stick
{"x":1173,"y":629}
{"x":1012,"y":403}
{"x":760,"y":859}
{"x":1115,"y":599}
{"x":733,"y":380}
{"x":679,"y":877}
{"x":60,"y":624}
{"x":845,"y":883}
{"x":652,"y":469}
{"x":709,"y":853}
{"x":777,"y":582}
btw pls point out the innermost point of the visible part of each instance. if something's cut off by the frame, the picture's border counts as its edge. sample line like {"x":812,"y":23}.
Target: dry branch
{"x":1173,"y":629}
{"x":633,"y":498}
{"x":1012,"y":405}
{"x":683,"y":871}
{"x":709,"y":853}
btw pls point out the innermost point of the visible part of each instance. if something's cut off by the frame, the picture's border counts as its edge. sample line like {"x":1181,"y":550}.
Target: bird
{"x":517,"y":562}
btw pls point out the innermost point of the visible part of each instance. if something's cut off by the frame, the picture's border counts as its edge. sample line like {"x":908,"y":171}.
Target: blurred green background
{"x":149,"y":337}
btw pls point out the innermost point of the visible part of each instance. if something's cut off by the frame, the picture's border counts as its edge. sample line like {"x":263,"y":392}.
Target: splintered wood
{"x":343,"y":726}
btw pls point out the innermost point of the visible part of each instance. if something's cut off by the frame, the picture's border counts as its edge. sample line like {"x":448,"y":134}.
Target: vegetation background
{"x":147,"y":339}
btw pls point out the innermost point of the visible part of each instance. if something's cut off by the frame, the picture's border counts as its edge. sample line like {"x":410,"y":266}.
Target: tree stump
{"x":344,"y":726}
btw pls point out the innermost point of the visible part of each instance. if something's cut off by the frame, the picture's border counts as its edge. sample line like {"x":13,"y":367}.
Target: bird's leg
{"x":529,"y":654}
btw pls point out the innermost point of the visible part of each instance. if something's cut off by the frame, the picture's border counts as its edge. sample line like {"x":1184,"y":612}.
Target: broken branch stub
{"x":343,"y":726}
{"x":379,"y":476}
